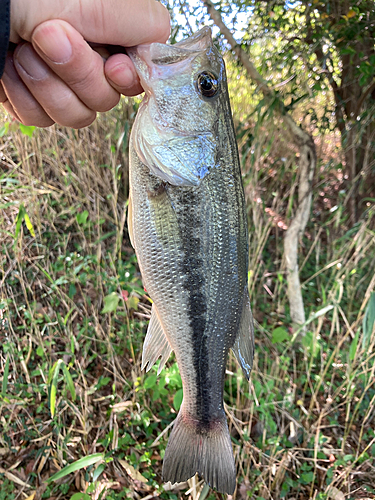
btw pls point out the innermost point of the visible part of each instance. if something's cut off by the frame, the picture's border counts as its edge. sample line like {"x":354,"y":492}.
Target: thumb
{"x":113,"y":22}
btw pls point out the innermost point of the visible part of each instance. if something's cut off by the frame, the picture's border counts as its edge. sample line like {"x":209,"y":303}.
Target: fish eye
{"x":207,"y":84}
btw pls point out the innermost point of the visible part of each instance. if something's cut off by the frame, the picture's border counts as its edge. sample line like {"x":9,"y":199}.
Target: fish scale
{"x":187,"y":223}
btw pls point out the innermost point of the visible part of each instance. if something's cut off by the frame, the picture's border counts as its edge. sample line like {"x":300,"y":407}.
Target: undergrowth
{"x":73,"y":316}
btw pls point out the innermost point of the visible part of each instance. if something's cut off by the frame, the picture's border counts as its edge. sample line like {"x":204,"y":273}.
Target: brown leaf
{"x":29,"y":467}
{"x":133,"y":473}
{"x":335,"y":493}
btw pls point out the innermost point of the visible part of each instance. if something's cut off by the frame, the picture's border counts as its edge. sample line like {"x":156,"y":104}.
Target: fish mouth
{"x":160,"y":59}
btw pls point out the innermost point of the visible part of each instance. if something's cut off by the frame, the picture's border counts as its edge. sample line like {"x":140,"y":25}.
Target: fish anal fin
{"x":208,"y":452}
{"x":156,"y":343}
{"x":243,"y":347}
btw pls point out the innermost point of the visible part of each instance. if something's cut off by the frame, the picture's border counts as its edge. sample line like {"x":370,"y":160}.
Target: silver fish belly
{"x":187,"y":223}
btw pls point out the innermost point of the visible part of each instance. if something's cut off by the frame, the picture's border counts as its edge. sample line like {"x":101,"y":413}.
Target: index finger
{"x":113,"y":22}
{"x":73,"y":60}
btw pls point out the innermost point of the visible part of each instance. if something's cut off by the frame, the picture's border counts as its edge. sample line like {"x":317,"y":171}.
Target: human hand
{"x":54,"y":75}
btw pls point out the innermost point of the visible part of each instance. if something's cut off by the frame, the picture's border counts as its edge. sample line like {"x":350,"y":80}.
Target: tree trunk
{"x":352,"y":99}
{"x":297,"y":226}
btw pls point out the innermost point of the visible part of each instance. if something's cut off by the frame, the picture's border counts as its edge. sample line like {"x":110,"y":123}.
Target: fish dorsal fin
{"x":130,"y":221}
{"x":243,"y":347}
{"x":156,"y":343}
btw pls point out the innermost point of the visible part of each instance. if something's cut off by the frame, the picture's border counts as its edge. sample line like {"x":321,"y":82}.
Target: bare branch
{"x":237,"y":49}
{"x":368,"y":91}
{"x":307,"y":164}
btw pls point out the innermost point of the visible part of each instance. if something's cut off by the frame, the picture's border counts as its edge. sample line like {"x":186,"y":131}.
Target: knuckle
{"x":92,"y":87}
{"x":81,"y":81}
{"x":85,"y":78}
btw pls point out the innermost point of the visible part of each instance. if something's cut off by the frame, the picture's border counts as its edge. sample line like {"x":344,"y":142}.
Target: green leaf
{"x":98,"y":471}
{"x":27,"y":130}
{"x":69,"y":381}
{"x":279,"y":335}
{"x":110,"y":303}
{"x":307,"y":477}
{"x":52,"y":371}
{"x":19,"y":219}
{"x":177,"y":400}
{"x":363,"y":80}
{"x":4,"y":129}
{"x":313,"y":317}
{"x":102,"y":382}
{"x":82,"y":217}
{"x":4,"y":384}
{"x":347,"y":50}
{"x":205,"y":491}
{"x":53,"y":388}
{"x":69,"y":312}
{"x":150,"y":382}
{"x":39,"y":351}
{"x":368,"y":321}
{"x":72,"y":291}
{"x":353,"y":346}
{"x":312,"y":343}
{"x":77,"y":465}
{"x":80,"y":496}
{"x":22,"y":215}
{"x":132,"y":302}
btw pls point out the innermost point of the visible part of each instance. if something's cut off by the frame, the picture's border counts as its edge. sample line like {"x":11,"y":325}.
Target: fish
{"x":187,"y":223}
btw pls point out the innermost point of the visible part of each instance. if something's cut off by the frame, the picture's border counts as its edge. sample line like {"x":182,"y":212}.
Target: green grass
{"x":73,"y":316}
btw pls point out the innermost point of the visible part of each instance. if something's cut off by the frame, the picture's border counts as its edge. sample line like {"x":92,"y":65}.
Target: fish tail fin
{"x":194,"y":448}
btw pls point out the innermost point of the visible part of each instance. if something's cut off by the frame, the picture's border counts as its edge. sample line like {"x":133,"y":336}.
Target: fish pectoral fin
{"x":243,"y":347}
{"x":156,"y":343}
{"x":130,"y":221}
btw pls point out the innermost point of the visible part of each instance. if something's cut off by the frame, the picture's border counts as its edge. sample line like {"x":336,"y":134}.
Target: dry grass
{"x":302,"y":428}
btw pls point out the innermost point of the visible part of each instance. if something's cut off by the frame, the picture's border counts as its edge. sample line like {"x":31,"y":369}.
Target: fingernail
{"x":52,"y":40}
{"x":30,"y":62}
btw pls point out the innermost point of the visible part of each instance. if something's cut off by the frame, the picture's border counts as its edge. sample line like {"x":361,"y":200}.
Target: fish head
{"x":185,"y":85}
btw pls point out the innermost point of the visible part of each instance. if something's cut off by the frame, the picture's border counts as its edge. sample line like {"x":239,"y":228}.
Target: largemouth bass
{"x":187,"y":223}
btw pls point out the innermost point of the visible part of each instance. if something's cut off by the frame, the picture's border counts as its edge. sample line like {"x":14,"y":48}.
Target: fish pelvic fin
{"x":195,"y":449}
{"x":130,"y":221}
{"x":243,"y":347}
{"x":156,"y":343}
